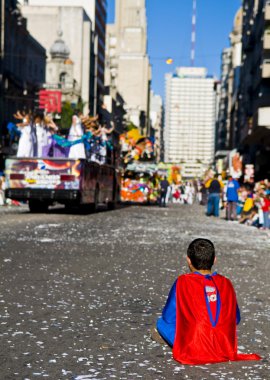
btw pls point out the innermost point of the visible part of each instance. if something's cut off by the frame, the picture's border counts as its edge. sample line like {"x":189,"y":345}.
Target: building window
{"x":63,"y":78}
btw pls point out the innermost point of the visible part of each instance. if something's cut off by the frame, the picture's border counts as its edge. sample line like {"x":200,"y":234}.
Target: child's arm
{"x":169,"y":311}
{"x":238,"y":315}
{"x":166,"y":323}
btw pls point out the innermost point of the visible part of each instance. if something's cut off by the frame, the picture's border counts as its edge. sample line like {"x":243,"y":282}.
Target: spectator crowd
{"x":246,"y":203}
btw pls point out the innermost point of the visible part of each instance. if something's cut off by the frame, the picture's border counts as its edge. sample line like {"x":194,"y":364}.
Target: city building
{"x":111,"y":58}
{"x":60,"y":72}
{"x":223,"y":122}
{"x":156,"y":117}
{"x":190,"y":114}
{"x":226,"y":132}
{"x":129,"y":60}
{"x":253,"y":126}
{"x":46,"y":22}
{"x":236,"y":46}
{"x":113,"y":100}
{"x":22,"y":67}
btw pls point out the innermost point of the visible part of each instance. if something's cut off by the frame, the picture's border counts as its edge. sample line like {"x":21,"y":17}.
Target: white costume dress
{"x":75,"y":133}
{"x":43,"y":138}
{"x":189,"y":192}
{"x":25,"y":146}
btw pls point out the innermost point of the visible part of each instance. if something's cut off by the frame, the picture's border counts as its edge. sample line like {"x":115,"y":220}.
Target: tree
{"x":66,"y":115}
{"x":80,"y":105}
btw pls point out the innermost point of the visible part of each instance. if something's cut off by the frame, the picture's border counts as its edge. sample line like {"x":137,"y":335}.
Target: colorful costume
{"x":75,"y":133}
{"x":43,"y":139}
{"x":199,"y":331}
{"x":25,"y":146}
{"x":103,"y":146}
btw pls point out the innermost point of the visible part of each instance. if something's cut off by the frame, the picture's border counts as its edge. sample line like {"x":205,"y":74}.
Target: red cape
{"x":197,"y":341}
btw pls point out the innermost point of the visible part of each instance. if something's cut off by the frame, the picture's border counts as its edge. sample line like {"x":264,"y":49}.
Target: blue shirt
{"x":232,"y":190}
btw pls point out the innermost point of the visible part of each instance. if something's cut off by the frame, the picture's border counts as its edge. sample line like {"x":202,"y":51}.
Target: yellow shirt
{"x":248,"y":204}
{"x":208,"y":183}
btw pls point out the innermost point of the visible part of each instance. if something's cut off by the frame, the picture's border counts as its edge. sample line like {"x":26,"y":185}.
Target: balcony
{"x":266,"y":40}
{"x":266,"y":69}
{"x":267,"y":11}
{"x":260,"y":133}
{"x":264,"y":117}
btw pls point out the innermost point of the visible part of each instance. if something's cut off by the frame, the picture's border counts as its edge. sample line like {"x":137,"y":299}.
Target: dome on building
{"x":59,"y":49}
{"x":68,"y":62}
{"x":238,"y":20}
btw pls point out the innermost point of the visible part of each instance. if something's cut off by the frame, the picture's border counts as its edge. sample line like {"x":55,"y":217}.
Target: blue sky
{"x":169,"y":34}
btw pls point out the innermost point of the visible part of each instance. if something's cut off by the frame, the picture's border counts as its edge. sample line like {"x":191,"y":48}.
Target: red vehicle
{"x":74,"y":183}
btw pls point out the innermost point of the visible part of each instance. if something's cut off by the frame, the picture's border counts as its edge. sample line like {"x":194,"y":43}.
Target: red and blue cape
{"x":187,"y":324}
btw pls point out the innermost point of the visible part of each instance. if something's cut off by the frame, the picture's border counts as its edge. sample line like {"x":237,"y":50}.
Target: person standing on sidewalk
{"x":214,"y":189}
{"x":2,"y":189}
{"x":232,"y":198}
{"x":266,"y":209}
{"x":163,"y":186}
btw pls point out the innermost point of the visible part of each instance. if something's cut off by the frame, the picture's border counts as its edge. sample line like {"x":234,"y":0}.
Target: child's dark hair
{"x":201,"y":253}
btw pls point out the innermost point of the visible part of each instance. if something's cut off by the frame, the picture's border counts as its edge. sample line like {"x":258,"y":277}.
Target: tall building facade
{"x":190,"y":114}
{"x":45,"y":23}
{"x":22,"y":61}
{"x":22,"y":67}
{"x":228,"y":104}
{"x":96,"y":11}
{"x":60,"y":72}
{"x":113,"y":100}
{"x":156,"y":117}
{"x":223,"y":122}
{"x":130,"y":61}
{"x":236,"y":46}
{"x":100,"y":30}
{"x":228,"y":107}
{"x":253,"y":129}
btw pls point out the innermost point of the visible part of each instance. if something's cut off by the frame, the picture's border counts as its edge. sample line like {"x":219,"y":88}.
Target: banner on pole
{"x":50,"y":100}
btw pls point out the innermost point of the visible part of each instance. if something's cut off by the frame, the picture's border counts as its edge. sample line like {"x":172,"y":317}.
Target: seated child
{"x":201,"y":313}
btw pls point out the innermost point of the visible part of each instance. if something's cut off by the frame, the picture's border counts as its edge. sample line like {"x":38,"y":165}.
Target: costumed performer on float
{"x":103,"y":134}
{"x":201,"y":313}
{"x":75,"y":133}
{"x":100,"y":141}
{"x":45,"y":127}
{"x":107,"y":127}
{"x":92,"y":125}
{"x":26,"y":141}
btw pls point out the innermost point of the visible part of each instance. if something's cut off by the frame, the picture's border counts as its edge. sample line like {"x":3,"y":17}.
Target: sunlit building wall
{"x":129,"y":59}
{"x":96,"y":13}
{"x":190,"y":114}
{"x":156,"y":116}
{"x":223,"y":123}
{"x":46,"y":22}
{"x":228,"y":102}
{"x":253,"y":124}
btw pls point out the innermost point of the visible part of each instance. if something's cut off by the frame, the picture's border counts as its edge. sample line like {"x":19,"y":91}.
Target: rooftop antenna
{"x":193,"y":34}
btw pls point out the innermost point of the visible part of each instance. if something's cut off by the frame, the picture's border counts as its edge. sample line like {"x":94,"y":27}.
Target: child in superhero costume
{"x":201,"y":313}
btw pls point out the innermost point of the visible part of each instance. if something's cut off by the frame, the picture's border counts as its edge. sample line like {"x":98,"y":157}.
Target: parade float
{"x":139,"y":182}
{"x":62,"y":172}
{"x":141,"y":175}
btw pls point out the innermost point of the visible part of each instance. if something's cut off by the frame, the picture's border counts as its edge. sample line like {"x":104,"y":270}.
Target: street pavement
{"x":79,"y":293}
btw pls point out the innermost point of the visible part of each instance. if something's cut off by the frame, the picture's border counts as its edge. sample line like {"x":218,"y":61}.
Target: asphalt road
{"x":79,"y":293}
